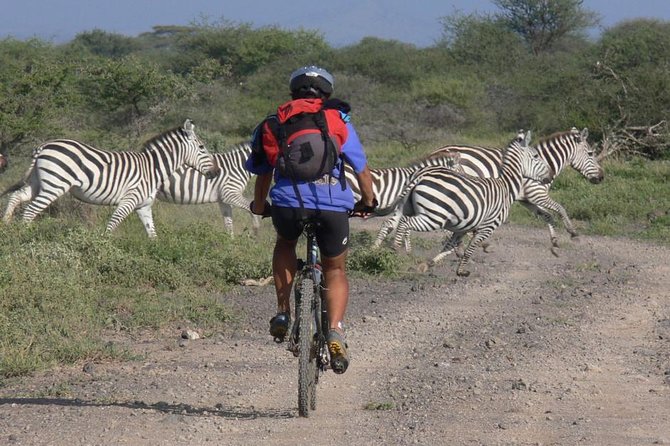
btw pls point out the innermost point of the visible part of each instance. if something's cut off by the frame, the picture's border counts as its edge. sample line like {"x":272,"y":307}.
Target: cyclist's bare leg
{"x":284,"y":264}
{"x":337,"y":288}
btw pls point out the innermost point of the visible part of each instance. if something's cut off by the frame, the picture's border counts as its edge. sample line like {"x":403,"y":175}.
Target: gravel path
{"x":529,"y":350}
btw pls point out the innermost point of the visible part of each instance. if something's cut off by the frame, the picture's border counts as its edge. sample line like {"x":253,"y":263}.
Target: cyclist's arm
{"x":364,"y":178}
{"x":261,"y":189}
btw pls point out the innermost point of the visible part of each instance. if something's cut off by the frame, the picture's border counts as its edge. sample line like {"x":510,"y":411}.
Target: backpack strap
{"x":322,"y":124}
{"x":280,"y":133}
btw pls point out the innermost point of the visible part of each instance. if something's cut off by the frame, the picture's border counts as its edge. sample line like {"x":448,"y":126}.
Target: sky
{"x":342,"y":22}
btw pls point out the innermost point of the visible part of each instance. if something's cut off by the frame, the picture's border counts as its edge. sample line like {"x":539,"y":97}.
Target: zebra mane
{"x":150,"y":144}
{"x":556,"y":135}
{"x":242,"y":146}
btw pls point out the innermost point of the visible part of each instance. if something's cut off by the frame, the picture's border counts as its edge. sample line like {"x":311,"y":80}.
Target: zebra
{"x":388,"y":183}
{"x":558,"y":150}
{"x":188,"y":186}
{"x":437,"y":198}
{"x":129,"y":180}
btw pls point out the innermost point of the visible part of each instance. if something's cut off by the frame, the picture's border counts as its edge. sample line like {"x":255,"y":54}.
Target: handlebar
{"x":360,"y":209}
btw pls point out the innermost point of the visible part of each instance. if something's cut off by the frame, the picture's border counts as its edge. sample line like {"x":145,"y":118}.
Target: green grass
{"x":64,"y":285}
{"x":619,"y":206}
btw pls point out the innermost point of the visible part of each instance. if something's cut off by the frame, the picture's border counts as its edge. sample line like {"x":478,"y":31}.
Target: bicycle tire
{"x":307,"y":367}
{"x":317,"y":350}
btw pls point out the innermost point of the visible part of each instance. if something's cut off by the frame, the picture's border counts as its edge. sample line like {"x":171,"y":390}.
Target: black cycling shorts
{"x":332,"y":233}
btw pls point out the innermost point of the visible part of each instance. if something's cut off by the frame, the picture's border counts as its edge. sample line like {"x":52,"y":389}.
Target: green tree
{"x":482,"y":43}
{"x":633,"y":86}
{"x":131,"y":90}
{"x":102,"y":43}
{"x":541,"y":23}
{"x":245,"y":50}
{"x":34,"y":91}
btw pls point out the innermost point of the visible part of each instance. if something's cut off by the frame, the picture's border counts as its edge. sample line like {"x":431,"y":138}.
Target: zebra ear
{"x":585,"y":133}
{"x":189,"y":129}
{"x":526,"y":139}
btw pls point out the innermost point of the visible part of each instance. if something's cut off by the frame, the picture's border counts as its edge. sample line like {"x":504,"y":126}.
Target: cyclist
{"x":329,"y":199}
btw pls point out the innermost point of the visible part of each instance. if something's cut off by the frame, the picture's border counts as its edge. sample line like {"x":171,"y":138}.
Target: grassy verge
{"x":633,"y":201}
{"x":63,"y":285}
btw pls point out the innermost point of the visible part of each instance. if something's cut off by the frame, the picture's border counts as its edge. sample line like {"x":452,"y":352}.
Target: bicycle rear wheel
{"x":307,"y":358}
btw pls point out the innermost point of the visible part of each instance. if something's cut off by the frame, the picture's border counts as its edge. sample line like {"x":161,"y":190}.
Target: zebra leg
{"x":387,"y":227}
{"x":548,"y":219}
{"x":401,"y":232}
{"x":227,"y":213}
{"x":477,"y":239}
{"x":256,"y":223}
{"x":125,"y":207}
{"x":556,"y":207}
{"x":147,"y":219}
{"x":449,"y":246}
{"x":22,"y":195}
{"x":419,"y":223}
{"x":44,"y":198}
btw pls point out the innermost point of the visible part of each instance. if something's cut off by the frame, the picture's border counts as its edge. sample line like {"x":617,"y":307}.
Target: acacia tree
{"x":130,"y":90}
{"x":542,"y":23}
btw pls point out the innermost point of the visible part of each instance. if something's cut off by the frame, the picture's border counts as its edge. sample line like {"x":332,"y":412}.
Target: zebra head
{"x":532,"y":164}
{"x":583,"y":156}
{"x":196,"y":154}
{"x":3,"y":162}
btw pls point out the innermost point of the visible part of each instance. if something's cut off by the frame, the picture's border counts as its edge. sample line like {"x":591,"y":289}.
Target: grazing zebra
{"x":388,"y":183}
{"x":129,"y":180}
{"x":558,"y":150}
{"x":438,"y":198}
{"x":189,"y":186}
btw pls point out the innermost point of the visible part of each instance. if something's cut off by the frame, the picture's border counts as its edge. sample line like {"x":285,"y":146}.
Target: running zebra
{"x":189,"y":186}
{"x":438,"y":198}
{"x":558,"y":150}
{"x":129,"y":180}
{"x":388,"y":183}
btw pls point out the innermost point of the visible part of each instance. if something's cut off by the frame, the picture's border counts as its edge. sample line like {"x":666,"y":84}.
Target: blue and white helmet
{"x":312,"y":79}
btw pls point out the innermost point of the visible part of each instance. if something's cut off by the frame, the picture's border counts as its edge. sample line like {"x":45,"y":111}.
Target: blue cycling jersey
{"x":322,"y":194}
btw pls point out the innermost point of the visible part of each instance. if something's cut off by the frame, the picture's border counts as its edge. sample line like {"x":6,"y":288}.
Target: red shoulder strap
{"x":336,"y":126}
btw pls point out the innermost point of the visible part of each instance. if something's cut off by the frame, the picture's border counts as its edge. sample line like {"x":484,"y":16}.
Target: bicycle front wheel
{"x":307,"y":367}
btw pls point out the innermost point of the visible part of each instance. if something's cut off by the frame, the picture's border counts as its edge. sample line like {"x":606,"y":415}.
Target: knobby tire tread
{"x":317,"y":347}
{"x":307,"y":358}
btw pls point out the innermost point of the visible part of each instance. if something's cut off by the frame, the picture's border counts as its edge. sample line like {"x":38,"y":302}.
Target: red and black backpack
{"x":303,"y":140}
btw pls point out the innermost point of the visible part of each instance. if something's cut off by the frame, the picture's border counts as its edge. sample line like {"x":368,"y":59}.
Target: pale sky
{"x":342,"y":22}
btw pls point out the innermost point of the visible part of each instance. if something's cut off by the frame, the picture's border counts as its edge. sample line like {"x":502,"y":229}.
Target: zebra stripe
{"x":129,"y":180}
{"x":558,"y":150}
{"x":388,"y":183}
{"x":188,"y":186}
{"x":438,"y":198}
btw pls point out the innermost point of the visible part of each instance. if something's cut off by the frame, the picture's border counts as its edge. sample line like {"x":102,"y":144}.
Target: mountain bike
{"x":307,"y":339}
{"x":308,"y":335}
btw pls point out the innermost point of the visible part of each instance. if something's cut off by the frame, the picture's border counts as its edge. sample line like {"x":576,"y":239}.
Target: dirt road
{"x":528,"y":350}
